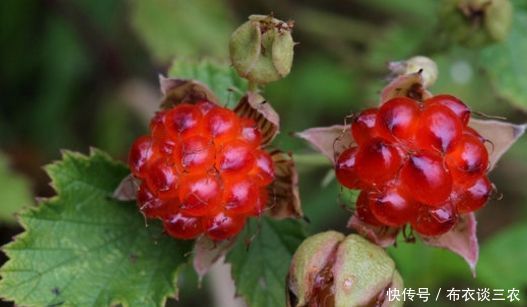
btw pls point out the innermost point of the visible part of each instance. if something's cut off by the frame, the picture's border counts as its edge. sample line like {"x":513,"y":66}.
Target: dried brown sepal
{"x":284,"y":198}
{"x":180,"y":90}
{"x":407,"y":85}
{"x":127,"y":189}
{"x":381,"y":235}
{"x":500,"y":136}
{"x":207,"y":252}
{"x":462,"y":240}
{"x":255,"y":107}
{"x":329,"y":141}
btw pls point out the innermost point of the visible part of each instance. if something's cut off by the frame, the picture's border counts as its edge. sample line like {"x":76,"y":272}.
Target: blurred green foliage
{"x":62,"y":65}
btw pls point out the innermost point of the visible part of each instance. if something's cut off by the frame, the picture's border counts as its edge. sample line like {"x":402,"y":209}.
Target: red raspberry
{"x":432,"y":221}
{"x":425,"y":178}
{"x":397,"y":118}
{"x":363,"y":127}
{"x":363,"y":211}
{"x":202,"y":171}
{"x":439,"y":128}
{"x":346,"y":169}
{"x":474,"y":197}
{"x":392,"y":206}
{"x":455,"y":105}
{"x":416,"y":163}
{"x":468,"y":160}
{"x":377,"y":161}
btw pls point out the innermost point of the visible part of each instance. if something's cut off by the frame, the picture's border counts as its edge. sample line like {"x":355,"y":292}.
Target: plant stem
{"x":311,"y":159}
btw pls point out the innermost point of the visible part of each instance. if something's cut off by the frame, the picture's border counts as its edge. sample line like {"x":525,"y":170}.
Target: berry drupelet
{"x":202,"y":171}
{"x":416,"y":163}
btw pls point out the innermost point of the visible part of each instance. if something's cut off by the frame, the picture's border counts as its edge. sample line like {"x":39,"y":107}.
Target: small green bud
{"x":261,"y":49}
{"x":329,"y":269}
{"x":476,"y":23}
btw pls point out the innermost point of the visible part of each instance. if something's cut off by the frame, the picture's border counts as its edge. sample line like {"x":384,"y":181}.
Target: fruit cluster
{"x":416,"y":163}
{"x":202,"y":170}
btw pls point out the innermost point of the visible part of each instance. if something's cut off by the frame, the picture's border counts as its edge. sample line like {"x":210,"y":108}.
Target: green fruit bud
{"x":476,"y":23}
{"x":329,"y":269}
{"x":261,"y":49}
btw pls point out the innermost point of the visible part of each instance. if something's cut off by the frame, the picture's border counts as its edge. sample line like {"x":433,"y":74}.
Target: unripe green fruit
{"x":329,"y":269}
{"x":476,"y":23}
{"x":261,"y":49}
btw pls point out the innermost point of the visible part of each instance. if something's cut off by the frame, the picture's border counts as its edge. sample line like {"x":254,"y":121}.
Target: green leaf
{"x":505,"y":62}
{"x":260,"y":259}
{"x":219,"y":77}
{"x":82,"y":248}
{"x":181,"y":28}
{"x":15,"y":192}
{"x":502,"y":260}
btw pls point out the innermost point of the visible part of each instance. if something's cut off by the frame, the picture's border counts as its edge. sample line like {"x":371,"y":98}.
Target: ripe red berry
{"x":222,"y":124}
{"x":183,"y":119}
{"x":377,"y":161}
{"x":432,"y":221}
{"x":468,"y":160}
{"x":163,"y":178}
{"x":363,"y":211}
{"x":474,"y":197}
{"x":346,"y":169}
{"x":250,"y":132}
{"x":455,"y":105}
{"x":202,"y":171}
{"x":416,"y":163}
{"x":363,"y":126}
{"x":150,"y":205}
{"x":140,"y":154}
{"x":392,"y":206}
{"x":223,"y":226}
{"x":439,"y":128}
{"x":235,"y":157}
{"x":200,"y":194}
{"x":397,"y":118}
{"x":424,"y":177}
{"x":240,"y":195}
{"x":183,"y":227}
{"x":196,"y":154}
{"x":263,"y":171}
